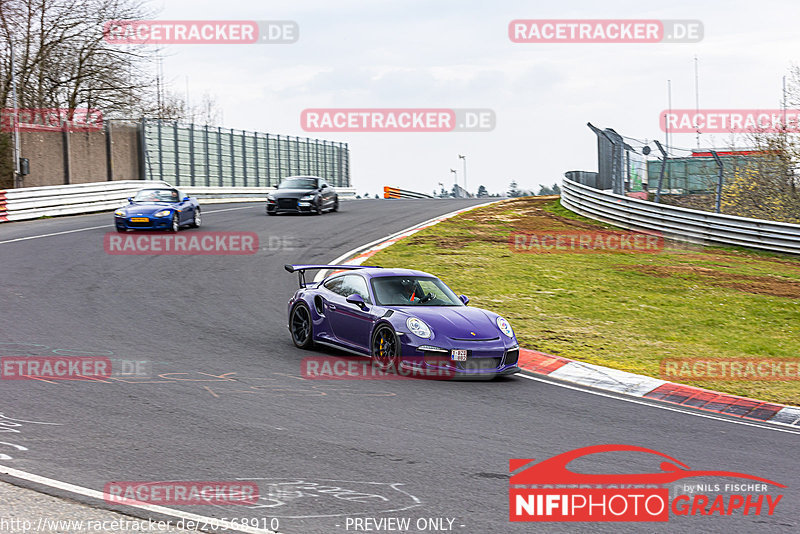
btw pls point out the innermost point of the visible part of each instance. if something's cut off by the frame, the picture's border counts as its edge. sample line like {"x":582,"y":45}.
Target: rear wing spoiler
{"x":301,"y":269}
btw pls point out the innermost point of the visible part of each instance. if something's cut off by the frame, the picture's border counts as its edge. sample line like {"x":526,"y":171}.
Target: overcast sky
{"x":457,"y":54}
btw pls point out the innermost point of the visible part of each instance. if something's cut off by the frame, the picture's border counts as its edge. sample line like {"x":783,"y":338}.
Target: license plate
{"x":140,"y":219}
{"x":458,"y":355}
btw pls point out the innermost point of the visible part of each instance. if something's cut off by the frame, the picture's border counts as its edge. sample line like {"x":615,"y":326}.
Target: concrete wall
{"x":79,"y":157}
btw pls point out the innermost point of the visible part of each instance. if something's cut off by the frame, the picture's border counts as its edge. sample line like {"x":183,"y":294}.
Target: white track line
{"x":55,"y":233}
{"x":655,"y":404}
{"x":210,"y":522}
{"x":94,"y":228}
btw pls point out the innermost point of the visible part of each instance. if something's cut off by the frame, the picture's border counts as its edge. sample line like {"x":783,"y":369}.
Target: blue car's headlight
{"x":418,"y":328}
{"x":119,"y":213}
{"x":504,"y":327}
{"x":162,"y":213}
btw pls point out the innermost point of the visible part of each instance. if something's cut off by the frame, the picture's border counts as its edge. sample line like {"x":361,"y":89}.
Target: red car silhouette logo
{"x":554,"y":470}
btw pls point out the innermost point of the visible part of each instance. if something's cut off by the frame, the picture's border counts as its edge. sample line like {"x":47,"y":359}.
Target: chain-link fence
{"x":192,"y":155}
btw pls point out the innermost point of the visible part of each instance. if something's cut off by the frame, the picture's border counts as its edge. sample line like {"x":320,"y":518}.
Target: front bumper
{"x":152,"y":223}
{"x":484,"y":358}
{"x":290,"y":205}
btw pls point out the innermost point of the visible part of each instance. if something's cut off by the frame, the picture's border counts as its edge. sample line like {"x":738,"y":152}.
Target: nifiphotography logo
{"x":548,"y":491}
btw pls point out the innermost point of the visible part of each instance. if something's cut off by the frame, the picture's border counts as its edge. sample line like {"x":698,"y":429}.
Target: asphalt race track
{"x":225,"y":400}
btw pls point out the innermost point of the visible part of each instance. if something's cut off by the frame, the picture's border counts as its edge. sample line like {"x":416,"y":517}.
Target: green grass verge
{"x":621,"y":310}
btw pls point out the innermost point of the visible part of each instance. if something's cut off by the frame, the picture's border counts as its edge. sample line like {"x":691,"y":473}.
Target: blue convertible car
{"x":158,"y":208}
{"x":403,"y":319}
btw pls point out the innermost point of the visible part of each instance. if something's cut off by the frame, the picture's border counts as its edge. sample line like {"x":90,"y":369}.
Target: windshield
{"x":156,"y":195}
{"x":413,"y":291}
{"x":298,"y":183}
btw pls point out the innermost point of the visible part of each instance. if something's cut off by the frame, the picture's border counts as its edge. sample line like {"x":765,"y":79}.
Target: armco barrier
{"x":695,"y":226}
{"x":393,"y":192}
{"x":50,"y":201}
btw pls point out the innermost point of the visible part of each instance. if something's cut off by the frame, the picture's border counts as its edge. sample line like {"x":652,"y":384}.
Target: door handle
{"x":331,"y":306}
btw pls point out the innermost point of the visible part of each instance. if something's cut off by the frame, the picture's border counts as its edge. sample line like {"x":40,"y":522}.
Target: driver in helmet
{"x":411,"y":290}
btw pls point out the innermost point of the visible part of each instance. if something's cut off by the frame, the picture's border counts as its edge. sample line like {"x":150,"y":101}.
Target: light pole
{"x":441,"y":185}
{"x":455,"y":182}
{"x":465,"y":170}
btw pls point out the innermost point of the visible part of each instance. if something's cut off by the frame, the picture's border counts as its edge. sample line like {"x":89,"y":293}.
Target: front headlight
{"x":418,"y":328}
{"x":162,"y":213}
{"x":504,"y":327}
{"x":308,"y":197}
{"x":119,"y":213}
{"x":271,"y":197}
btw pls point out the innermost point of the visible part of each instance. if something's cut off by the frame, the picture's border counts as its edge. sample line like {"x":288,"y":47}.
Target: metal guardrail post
{"x":661,"y":175}
{"x":316,"y":157}
{"x":67,"y":151}
{"x":308,"y":154}
{"x":279,"y":160}
{"x":160,"y":152}
{"x":109,"y":154}
{"x":718,"y":202}
{"x":233,"y":157}
{"x":345,"y":178}
{"x":258,"y":162}
{"x":176,"y":154}
{"x":289,"y":155}
{"x":208,"y":162}
{"x":219,"y":155}
{"x":244,"y":160}
{"x":269,"y":163}
{"x":144,"y":160}
{"x":191,"y":155}
{"x":325,"y":173}
{"x":297,"y":154}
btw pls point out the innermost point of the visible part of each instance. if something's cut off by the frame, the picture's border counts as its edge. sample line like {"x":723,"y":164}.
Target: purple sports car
{"x":403,"y":319}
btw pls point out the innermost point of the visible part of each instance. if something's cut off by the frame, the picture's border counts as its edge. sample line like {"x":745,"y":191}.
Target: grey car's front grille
{"x":287,"y":203}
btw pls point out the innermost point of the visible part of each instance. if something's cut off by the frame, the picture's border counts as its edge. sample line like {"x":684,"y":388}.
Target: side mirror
{"x":130,"y":200}
{"x":464,"y":299}
{"x":186,"y":199}
{"x":356,"y":299}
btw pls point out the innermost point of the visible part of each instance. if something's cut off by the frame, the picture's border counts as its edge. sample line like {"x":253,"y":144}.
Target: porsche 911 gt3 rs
{"x":403,"y":319}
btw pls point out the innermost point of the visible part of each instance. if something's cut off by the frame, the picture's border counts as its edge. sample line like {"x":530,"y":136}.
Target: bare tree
{"x":63,"y":60}
{"x":767,"y":185}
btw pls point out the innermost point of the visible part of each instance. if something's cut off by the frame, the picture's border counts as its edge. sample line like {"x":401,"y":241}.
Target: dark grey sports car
{"x":302,"y":194}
